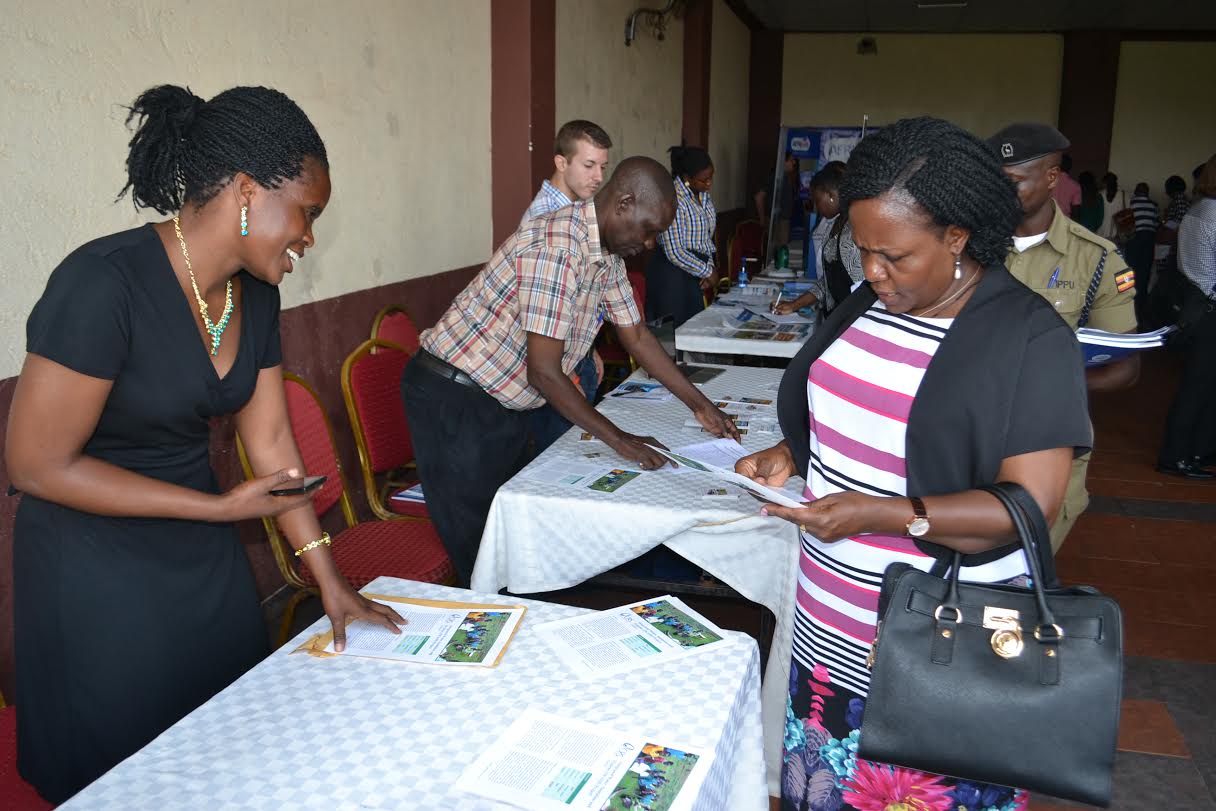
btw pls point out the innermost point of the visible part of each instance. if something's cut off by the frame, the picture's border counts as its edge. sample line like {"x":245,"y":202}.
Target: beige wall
{"x":978,"y":81}
{"x":1165,"y":121}
{"x":728,"y":97}
{"x":634,"y":93}
{"x":399,"y":90}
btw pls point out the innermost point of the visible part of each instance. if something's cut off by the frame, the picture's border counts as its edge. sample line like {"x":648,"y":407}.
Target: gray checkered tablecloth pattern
{"x":298,"y":732}
{"x":543,"y":537}
{"x":702,"y":334}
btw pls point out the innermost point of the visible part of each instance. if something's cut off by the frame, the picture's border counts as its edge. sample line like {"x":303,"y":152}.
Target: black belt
{"x":442,"y":368}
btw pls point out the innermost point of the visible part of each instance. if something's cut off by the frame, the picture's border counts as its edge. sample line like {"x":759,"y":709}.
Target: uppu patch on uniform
{"x":1125,"y":280}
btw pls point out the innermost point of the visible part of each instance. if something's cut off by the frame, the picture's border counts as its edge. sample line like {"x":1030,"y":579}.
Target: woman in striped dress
{"x":939,"y":375}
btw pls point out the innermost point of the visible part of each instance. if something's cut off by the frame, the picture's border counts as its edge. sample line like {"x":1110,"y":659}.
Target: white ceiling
{"x":984,"y":15}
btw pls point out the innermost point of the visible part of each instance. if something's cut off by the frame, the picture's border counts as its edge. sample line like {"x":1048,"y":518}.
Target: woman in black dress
{"x":134,"y":601}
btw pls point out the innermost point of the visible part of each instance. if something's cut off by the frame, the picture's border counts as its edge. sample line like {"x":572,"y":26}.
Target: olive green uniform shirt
{"x":1075,"y":252}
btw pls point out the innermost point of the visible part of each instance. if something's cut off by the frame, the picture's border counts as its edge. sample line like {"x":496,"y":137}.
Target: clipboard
{"x":315,"y":646}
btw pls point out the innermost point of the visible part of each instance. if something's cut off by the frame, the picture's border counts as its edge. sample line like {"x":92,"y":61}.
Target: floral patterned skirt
{"x":821,"y":770}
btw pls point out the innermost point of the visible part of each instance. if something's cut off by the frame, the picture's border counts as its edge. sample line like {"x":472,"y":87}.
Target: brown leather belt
{"x":442,"y":368}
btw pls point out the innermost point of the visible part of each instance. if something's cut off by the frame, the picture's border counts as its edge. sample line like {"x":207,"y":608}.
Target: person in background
{"x":1179,"y":203}
{"x":1067,"y":192}
{"x":840,"y":262}
{"x":1114,"y":199}
{"x":1080,"y":274}
{"x":133,"y":599}
{"x":1190,"y":429}
{"x":1089,"y":212}
{"x":823,"y":205}
{"x":1139,"y":250}
{"x":682,"y":269}
{"x":580,"y":158}
{"x":510,"y":339}
{"x":940,"y":375}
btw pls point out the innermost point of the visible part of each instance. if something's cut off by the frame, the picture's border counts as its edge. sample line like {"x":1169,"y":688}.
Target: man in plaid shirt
{"x":509,"y":340}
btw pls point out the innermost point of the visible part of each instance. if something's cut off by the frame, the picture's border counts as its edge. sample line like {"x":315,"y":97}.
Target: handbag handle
{"x":1031,"y":529}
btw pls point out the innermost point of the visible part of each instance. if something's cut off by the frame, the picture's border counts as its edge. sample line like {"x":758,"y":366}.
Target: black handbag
{"x":998,"y":684}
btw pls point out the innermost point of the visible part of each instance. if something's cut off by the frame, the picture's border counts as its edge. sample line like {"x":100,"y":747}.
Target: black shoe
{"x":1187,"y":468}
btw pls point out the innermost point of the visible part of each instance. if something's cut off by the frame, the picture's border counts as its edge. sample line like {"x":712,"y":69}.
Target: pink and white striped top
{"x":860,"y":393}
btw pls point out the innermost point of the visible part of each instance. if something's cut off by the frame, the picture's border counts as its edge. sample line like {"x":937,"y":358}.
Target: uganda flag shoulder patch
{"x":1125,"y":280}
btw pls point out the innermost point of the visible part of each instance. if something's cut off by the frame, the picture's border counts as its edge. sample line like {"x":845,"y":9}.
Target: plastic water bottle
{"x":743,"y":274}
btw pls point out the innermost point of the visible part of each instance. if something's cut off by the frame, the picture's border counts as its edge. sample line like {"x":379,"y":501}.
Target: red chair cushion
{"x":397,"y":328}
{"x":407,"y":549}
{"x":311,"y":432}
{"x":375,"y":387}
{"x":15,"y":793}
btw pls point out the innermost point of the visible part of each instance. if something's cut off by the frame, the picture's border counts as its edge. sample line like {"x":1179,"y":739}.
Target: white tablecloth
{"x":703,"y":333}
{"x":298,"y":732}
{"x":542,"y":537}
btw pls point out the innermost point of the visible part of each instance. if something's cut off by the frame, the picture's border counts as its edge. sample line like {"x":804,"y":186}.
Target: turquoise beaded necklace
{"x":216,"y":330}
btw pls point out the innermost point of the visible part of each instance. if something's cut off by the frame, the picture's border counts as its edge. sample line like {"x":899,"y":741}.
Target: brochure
{"x":436,"y":632}
{"x":592,"y":474}
{"x":760,"y":491}
{"x":547,"y":762}
{"x":632,"y":636}
{"x":1103,"y":347}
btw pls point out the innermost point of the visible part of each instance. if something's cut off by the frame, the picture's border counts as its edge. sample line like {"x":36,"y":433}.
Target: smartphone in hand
{"x":298,"y":487}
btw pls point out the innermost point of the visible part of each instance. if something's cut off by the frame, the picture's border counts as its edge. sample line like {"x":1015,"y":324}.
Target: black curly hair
{"x":185,"y":149}
{"x":951,"y":174}
{"x":688,"y":161}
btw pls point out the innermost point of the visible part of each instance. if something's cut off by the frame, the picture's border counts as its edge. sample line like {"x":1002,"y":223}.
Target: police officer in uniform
{"x":1080,"y":273}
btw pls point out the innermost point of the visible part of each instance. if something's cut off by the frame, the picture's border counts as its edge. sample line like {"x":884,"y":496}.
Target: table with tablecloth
{"x":706,"y":332}
{"x":543,"y":537}
{"x":346,"y":732}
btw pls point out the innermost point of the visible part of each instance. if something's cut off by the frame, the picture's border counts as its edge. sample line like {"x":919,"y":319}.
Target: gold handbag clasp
{"x":1006,"y":629}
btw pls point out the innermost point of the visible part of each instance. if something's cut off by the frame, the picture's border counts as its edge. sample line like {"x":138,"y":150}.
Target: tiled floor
{"x":1149,"y":540}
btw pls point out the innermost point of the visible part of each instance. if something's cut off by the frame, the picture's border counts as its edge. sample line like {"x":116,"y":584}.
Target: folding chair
{"x":394,"y":325}
{"x":371,"y":387}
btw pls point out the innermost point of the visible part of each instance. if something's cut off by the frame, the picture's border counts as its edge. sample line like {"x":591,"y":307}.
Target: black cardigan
{"x":1008,"y":378}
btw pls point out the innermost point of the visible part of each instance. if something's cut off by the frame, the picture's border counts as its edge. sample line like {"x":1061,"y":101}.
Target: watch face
{"x":918,"y":527}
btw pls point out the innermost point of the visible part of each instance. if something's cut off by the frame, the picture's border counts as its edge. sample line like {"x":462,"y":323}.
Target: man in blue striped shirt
{"x":580,"y":161}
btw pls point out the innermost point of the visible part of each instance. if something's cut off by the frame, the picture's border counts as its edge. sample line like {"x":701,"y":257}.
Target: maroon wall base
{"x":317,"y":337}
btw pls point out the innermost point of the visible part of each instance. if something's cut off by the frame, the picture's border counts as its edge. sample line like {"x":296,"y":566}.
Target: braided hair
{"x":185,"y":149}
{"x":688,"y":161}
{"x":951,"y":174}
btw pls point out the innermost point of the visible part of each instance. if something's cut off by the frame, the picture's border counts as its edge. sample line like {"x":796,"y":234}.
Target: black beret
{"x":1026,"y":141}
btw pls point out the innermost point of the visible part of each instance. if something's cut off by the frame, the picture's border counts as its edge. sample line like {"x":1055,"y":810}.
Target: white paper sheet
{"x":545,"y":762}
{"x":632,"y":636}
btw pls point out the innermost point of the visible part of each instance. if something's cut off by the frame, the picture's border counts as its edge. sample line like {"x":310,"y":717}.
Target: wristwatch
{"x":919,"y":525}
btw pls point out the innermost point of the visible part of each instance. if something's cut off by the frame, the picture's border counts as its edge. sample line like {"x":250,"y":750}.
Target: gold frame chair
{"x":376,"y":494}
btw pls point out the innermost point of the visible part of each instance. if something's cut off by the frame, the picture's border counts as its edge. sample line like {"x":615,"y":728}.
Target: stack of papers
{"x":641,"y":390}
{"x":1103,"y":347}
{"x":586,"y":475}
{"x":413,"y":495}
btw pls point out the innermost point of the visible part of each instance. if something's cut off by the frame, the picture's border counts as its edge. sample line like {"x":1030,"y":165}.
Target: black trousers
{"x":1139,"y":254}
{"x":670,"y":290}
{"x":467,"y":445}
{"x":1190,"y":428}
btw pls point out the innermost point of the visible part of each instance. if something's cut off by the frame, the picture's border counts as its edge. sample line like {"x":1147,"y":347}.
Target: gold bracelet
{"x":322,"y":541}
